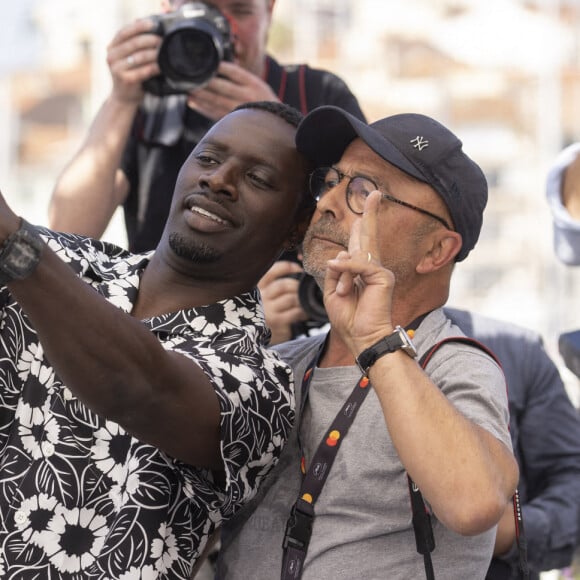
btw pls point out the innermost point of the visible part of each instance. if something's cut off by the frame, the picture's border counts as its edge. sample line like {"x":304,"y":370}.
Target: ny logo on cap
{"x":419,"y":143}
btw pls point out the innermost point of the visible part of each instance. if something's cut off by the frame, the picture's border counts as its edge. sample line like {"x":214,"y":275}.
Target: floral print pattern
{"x":79,"y":497}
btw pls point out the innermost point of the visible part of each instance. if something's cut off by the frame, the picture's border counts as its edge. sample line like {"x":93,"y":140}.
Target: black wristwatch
{"x":398,"y":340}
{"x":20,"y":254}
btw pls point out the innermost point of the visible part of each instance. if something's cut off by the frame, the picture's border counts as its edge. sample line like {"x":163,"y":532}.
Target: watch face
{"x":20,"y":254}
{"x":21,"y":257}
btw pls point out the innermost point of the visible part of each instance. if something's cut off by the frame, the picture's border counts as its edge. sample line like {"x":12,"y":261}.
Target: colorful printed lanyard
{"x":299,"y":524}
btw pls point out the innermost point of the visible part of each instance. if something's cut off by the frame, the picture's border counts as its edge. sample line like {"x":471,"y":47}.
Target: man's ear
{"x":445,"y":246}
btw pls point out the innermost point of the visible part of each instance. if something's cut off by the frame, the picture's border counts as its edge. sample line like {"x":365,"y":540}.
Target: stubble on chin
{"x":191,"y":249}
{"x":316,"y":253}
{"x":315,"y":265}
{"x":315,"y":257}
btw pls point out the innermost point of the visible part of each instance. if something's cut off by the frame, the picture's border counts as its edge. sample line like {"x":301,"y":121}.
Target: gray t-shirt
{"x":363,"y":524}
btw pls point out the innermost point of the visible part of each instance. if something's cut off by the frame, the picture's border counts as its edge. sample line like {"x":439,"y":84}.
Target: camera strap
{"x":300,"y":522}
{"x":289,"y":83}
{"x":421,"y":516}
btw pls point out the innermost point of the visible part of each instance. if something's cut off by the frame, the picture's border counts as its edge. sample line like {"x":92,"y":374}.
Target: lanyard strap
{"x":301,"y":520}
{"x":299,"y":524}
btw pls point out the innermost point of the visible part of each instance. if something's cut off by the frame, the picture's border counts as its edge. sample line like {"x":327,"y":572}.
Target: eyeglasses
{"x":358,"y":188}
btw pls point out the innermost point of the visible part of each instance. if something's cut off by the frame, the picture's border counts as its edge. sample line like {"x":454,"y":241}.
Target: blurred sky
{"x":19,"y":45}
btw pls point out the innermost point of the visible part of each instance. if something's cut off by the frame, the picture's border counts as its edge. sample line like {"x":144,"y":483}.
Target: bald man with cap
{"x":399,"y":203}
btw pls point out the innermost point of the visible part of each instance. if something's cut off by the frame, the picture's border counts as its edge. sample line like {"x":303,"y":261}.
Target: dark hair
{"x":285,"y":112}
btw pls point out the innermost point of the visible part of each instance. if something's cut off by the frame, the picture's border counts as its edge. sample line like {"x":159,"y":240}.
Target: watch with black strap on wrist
{"x":20,"y":253}
{"x":398,"y":340}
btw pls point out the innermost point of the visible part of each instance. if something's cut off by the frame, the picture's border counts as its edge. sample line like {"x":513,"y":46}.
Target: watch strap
{"x":398,"y":340}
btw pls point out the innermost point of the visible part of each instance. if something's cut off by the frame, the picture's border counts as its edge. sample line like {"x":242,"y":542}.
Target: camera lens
{"x":196,"y":38}
{"x":189,"y":54}
{"x":311,"y":299}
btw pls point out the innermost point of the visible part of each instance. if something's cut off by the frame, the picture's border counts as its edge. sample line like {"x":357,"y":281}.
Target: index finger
{"x":280,"y":269}
{"x":234,"y":72}
{"x":364,"y":233}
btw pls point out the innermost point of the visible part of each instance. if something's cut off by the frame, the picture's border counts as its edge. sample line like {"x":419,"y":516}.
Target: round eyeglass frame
{"x":358,"y":184}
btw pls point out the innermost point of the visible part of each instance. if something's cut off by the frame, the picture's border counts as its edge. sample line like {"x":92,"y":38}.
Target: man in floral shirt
{"x":139,"y":406}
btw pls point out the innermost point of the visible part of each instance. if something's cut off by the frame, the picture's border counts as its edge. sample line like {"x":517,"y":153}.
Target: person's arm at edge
{"x":92,"y":186}
{"x":116,"y":366}
{"x":549,"y":434}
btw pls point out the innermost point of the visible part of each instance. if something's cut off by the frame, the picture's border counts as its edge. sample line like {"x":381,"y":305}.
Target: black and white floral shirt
{"x":79,"y":497}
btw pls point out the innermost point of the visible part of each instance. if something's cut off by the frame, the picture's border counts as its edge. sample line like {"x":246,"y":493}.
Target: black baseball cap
{"x":416,"y":144}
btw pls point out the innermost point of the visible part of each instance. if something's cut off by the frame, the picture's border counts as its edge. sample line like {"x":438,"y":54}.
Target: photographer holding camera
{"x":563,"y":194}
{"x":167,"y":90}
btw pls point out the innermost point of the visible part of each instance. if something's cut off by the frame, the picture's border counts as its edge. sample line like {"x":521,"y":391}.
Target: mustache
{"x":328,"y":230}
{"x":197,"y":193}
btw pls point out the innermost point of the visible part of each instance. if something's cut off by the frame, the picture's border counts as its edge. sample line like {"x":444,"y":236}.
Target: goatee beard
{"x":190,"y":250}
{"x":313,"y":261}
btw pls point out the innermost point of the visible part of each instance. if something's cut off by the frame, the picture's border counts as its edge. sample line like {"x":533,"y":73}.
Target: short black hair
{"x":285,"y":112}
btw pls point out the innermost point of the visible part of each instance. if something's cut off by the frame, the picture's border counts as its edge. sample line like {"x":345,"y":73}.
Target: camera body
{"x":196,"y":38}
{"x":311,"y":300}
{"x":310,"y":297}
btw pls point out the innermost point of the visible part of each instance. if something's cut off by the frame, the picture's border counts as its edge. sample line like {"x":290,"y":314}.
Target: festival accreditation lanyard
{"x":299,"y":524}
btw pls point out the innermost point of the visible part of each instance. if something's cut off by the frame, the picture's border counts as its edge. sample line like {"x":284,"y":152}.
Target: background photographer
{"x":563,"y":192}
{"x":138,"y":141}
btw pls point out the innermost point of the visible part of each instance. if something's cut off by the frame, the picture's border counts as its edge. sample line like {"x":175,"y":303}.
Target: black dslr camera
{"x":196,"y":38}
{"x":310,"y":297}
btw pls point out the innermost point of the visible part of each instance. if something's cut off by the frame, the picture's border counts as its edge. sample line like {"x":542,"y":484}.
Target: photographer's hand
{"x":232,"y":86}
{"x":132,"y":58}
{"x":280,"y":297}
{"x":92,"y":184}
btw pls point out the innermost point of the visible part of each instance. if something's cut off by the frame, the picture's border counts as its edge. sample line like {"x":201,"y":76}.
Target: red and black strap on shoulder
{"x":422,"y":527}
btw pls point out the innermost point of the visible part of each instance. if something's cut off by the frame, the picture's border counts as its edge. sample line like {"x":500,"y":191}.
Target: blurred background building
{"x":503,"y":74}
